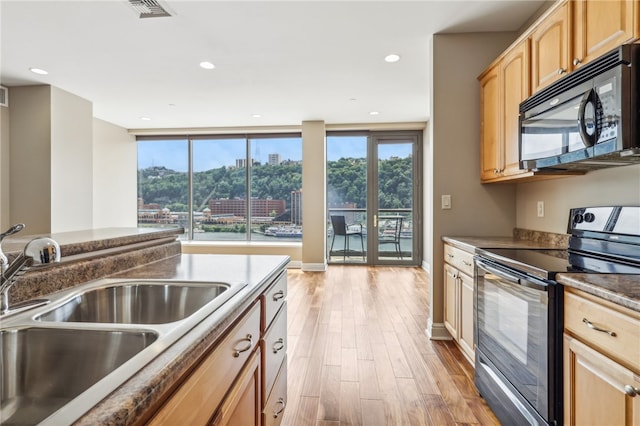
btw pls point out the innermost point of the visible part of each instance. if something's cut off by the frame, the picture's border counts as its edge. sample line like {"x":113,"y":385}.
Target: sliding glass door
{"x":372,"y":194}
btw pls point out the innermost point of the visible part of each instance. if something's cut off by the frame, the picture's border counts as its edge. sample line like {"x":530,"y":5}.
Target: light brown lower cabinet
{"x":601,"y":362}
{"x":597,"y":389}
{"x":458,"y":294}
{"x":243,"y":404}
{"x":196,"y":400}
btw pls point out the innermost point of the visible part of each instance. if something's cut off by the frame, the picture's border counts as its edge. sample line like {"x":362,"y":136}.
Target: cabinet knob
{"x":562,"y":71}
{"x":631,"y":391}
{"x":576,"y":61}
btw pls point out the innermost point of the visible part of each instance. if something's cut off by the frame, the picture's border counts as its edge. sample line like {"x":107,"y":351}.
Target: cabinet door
{"x":594,"y":388}
{"x":514,"y":69}
{"x":242,"y":407}
{"x":490,"y":123}
{"x":466,"y":316}
{"x":600,"y":26}
{"x":550,"y":49}
{"x":451,"y":300}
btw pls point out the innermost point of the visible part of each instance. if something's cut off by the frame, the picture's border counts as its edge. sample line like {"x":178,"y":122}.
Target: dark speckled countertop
{"x":76,"y":242}
{"x":621,"y":289}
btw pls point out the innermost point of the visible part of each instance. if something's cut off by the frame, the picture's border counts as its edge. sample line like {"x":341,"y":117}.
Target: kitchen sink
{"x":45,"y":368}
{"x":136,"y":303}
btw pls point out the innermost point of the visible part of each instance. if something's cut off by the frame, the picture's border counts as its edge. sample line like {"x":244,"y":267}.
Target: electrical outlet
{"x":540,"y":208}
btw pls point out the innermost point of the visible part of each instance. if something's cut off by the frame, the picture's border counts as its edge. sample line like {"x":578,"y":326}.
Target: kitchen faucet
{"x":39,"y":251}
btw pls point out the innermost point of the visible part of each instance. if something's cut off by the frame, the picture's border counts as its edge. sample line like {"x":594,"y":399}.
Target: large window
{"x":201,"y":183}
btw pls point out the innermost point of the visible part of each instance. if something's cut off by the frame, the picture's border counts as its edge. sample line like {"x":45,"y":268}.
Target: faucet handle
{"x":43,"y":250}
{"x":15,"y":228}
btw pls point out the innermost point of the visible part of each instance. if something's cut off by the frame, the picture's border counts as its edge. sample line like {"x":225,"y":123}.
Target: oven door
{"x":513,"y":343}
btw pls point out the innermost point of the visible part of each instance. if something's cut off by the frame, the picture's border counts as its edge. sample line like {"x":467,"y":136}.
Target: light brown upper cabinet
{"x":600,"y":26}
{"x":550,"y":56}
{"x":490,"y":123}
{"x":502,"y":88}
{"x":568,"y":35}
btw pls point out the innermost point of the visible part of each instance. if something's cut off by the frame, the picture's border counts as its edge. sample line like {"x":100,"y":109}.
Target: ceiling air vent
{"x":149,"y":8}
{"x":4,"y":96}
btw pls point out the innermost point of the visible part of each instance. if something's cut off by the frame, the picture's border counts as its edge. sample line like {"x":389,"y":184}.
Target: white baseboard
{"x":314,"y":267}
{"x":294,"y":264}
{"x":437,"y":331}
{"x":426,"y":266}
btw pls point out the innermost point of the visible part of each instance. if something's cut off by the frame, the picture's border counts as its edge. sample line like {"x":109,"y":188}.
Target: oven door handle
{"x":495,"y":271}
{"x":522,"y":281}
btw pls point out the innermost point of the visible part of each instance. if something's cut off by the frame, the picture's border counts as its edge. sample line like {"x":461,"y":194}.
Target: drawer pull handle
{"x":276,"y":413}
{"x":278,"y":345}
{"x":596,"y":328}
{"x":278,"y":295}
{"x":466,"y":263}
{"x":450,"y":255}
{"x":237,"y":351}
{"x":631,"y":391}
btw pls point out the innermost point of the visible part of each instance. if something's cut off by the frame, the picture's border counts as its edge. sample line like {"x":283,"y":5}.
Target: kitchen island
{"x":140,"y":395}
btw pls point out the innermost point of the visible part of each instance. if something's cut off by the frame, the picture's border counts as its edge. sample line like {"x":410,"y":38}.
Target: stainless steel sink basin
{"x":45,"y":368}
{"x":136,"y":303}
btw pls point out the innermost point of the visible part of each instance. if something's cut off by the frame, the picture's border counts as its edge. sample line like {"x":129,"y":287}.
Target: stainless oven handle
{"x":498,"y":272}
{"x":505,"y":275}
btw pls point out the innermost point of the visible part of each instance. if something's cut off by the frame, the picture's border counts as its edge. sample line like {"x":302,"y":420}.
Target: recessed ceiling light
{"x":256,"y":115}
{"x":374,"y":113}
{"x":145,"y":119}
{"x":207,"y":65}
{"x":392,"y":58}
{"x":38,"y":71}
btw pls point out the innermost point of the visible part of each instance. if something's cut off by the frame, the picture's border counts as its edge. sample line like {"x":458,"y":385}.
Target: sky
{"x":215,"y":153}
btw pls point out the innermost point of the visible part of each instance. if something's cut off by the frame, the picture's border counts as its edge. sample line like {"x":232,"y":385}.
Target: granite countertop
{"x":76,"y":242}
{"x":130,"y":403}
{"x":470,"y":244}
{"x":621,"y":289}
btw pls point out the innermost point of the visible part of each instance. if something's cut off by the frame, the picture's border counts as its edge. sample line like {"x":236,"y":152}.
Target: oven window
{"x":512,"y":333}
{"x":508,"y":323}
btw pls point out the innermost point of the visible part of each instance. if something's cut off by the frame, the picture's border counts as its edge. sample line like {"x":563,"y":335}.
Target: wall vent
{"x":4,"y":96}
{"x":149,"y":8}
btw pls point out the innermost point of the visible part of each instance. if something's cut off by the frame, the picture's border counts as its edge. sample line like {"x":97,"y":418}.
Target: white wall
{"x":114,"y":176}
{"x":477,"y":209}
{"x":620,"y":185}
{"x":71,"y":162}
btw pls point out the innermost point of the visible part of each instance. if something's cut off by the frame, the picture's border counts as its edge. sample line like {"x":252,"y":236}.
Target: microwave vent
{"x":4,"y":96}
{"x":149,"y":8}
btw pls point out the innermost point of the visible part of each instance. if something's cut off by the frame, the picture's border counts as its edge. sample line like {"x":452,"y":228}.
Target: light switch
{"x":446,"y":202}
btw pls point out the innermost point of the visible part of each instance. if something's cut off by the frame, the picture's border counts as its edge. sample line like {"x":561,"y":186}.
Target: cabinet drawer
{"x":461,"y":259}
{"x":273,"y":299}
{"x":623,"y":346}
{"x":274,"y":349}
{"x":274,"y":408}
{"x":198,"y":397}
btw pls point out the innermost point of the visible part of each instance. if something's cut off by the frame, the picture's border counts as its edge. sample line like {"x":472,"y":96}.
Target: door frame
{"x":374,"y":139}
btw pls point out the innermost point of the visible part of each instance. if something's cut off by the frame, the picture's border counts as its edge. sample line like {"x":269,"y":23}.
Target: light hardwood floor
{"x":358,"y":353}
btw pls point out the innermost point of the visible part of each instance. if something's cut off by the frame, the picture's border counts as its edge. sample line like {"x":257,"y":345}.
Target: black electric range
{"x":602,"y":240}
{"x":518,"y":308}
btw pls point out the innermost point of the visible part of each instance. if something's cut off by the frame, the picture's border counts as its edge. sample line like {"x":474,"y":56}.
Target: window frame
{"x":248,"y":137}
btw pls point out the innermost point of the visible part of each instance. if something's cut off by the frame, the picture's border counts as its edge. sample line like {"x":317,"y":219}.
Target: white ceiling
{"x":288,"y":61}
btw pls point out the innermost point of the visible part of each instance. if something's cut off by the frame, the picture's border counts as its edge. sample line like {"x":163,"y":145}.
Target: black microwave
{"x":588,"y":119}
